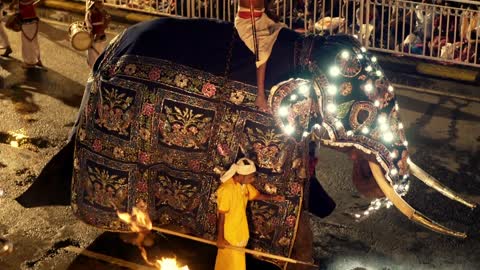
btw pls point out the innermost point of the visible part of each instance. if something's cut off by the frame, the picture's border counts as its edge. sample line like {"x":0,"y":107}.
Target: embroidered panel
{"x":160,"y":134}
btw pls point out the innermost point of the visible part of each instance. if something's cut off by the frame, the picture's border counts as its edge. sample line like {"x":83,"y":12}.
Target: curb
{"x":412,"y":65}
{"x":118,"y":15}
{"x":454,"y":73}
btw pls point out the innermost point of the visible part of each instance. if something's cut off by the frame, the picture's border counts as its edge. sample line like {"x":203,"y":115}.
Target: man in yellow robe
{"x":232,"y":197}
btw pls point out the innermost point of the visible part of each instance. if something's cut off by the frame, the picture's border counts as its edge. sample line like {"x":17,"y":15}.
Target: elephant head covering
{"x":244,"y":166}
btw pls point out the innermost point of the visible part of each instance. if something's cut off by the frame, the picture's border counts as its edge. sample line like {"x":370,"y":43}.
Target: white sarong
{"x":4,"y":43}
{"x":94,"y":51}
{"x":30,"y":47}
{"x":267,"y":32}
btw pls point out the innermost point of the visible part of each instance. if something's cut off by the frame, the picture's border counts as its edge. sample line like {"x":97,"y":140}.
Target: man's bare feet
{"x":262,"y":105}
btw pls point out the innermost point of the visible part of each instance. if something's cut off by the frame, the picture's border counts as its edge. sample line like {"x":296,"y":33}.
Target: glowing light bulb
{"x":388,"y":137}
{"x":376,"y":103}
{"x":345,"y":54}
{"x":384,"y":127}
{"x":305,"y":134}
{"x":374,"y":59}
{"x":365,"y":130}
{"x":366,"y":213}
{"x":400,"y":126}
{"x":369,"y":68}
{"x":332,"y":89}
{"x":331,"y":108}
{"x":368,"y":87}
{"x":293,"y":97}
{"x":363,"y":49}
{"x":317,"y":126}
{"x":390,"y":88}
{"x":283,"y":111}
{"x":358,"y":215}
{"x":393,"y":155}
{"x":379,"y":73}
{"x":382,"y":119}
{"x":396,"y":107}
{"x":338,"y":124}
{"x":405,"y":143}
{"x":349,"y":133}
{"x":305,"y":90}
{"x":393,"y":171}
{"x":288,"y":129}
{"x":360,"y":56}
{"x":334,"y":71}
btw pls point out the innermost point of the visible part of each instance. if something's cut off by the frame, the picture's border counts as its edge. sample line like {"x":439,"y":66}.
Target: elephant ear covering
{"x":358,"y":104}
{"x":291,"y":103}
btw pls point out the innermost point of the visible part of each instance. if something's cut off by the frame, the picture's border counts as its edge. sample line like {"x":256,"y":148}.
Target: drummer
{"x":97,"y":20}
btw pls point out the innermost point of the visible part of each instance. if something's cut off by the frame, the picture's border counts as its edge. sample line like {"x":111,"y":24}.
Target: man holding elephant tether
{"x":259,"y":32}
{"x":232,"y":196}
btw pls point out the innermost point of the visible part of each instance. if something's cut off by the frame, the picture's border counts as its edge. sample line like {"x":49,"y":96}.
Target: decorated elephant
{"x":170,"y":105}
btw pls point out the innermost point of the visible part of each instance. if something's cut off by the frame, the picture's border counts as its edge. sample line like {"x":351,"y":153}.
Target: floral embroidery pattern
{"x":175,"y":194}
{"x":266,"y":146}
{"x":105,"y":189}
{"x":113,"y":113}
{"x":185,"y":128}
{"x":263,"y":220}
{"x":209,"y":90}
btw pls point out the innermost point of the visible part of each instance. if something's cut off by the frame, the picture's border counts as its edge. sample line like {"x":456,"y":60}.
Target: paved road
{"x":444,"y":136}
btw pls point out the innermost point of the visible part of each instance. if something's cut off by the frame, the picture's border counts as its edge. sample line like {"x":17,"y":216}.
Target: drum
{"x":80,"y":37}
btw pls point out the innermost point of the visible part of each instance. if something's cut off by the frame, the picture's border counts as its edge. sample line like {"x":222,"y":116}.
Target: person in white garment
{"x":4,"y":42}
{"x":97,"y":20}
{"x":30,"y":24}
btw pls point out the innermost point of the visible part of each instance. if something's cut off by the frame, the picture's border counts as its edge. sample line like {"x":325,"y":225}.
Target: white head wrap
{"x":240,"y":167}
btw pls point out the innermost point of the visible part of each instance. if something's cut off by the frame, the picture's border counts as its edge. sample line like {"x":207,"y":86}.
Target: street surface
{"x":443,"y":135}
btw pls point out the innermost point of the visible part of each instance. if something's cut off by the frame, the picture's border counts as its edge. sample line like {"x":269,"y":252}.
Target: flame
{"x":169,"y":264}
{"x":141,"y":223}
{"x":139,"y":220}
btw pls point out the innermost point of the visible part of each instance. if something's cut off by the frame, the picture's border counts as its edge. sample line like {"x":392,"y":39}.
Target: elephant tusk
{"x":435,"y":184}
{"x":405,"y":208}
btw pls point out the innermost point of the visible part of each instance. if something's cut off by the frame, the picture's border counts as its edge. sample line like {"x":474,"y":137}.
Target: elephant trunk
{"x":405,"y":208}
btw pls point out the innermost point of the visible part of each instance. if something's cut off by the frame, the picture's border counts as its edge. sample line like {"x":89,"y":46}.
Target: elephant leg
{"x":303,"y":246}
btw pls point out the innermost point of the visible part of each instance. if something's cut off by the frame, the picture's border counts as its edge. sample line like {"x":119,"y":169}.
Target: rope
{"x":254,"y":31}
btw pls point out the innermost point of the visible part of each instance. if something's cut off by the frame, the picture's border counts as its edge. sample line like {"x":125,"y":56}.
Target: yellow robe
{"x":232,"y":201}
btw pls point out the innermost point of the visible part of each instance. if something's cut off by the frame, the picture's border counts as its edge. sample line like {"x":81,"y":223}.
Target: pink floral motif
{"x":295,"y":188}
{"x":195,"y":165}
{"x":291,"y":221}
{"x":154,"y":74}
{"x":143,"y":157}
{"x":209,"y":90}
{"x":141,"y":186}
{"x":97,"y":145}
{"x":148,"y":109}
{"x":223,"y":149}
